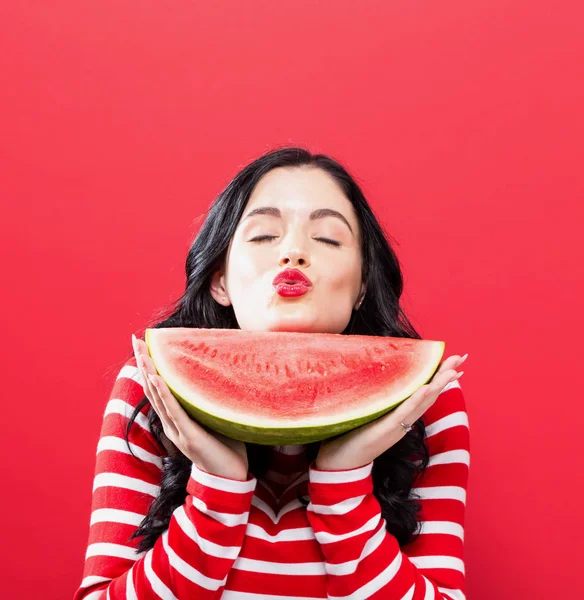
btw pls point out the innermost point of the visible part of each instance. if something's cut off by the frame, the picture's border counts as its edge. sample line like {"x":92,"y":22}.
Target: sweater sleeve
{"x":193,"y":556}
{"x":364,"y":560}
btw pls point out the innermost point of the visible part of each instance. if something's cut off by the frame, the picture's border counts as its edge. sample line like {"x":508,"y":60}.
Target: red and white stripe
{"x":246,"y":540}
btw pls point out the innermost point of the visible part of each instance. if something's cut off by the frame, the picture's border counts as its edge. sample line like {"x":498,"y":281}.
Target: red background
{"x":462,"y":120}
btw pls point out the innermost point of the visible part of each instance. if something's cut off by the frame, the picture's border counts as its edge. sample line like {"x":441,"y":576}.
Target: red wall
{"x":119,"y":123}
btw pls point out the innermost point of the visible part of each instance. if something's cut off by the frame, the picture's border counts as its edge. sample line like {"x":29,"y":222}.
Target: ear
{"x":361,"y":296}
{"x":217,"y":288}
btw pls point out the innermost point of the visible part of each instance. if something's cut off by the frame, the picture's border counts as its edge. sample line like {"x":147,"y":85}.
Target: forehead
{"x":298,"y":191}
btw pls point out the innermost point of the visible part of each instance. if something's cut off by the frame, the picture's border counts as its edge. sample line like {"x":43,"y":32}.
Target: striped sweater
{"x":241,"y":540}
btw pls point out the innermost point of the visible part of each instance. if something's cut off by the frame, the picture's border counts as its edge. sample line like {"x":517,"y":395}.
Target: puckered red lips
{"x":292,"y":276}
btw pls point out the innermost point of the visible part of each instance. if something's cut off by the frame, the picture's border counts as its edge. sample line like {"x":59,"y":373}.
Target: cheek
{"x":344,"y":276}
{"x":247,"y":270}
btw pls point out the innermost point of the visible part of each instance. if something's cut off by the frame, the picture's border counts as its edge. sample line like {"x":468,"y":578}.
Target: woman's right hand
{"x":209,"y":450}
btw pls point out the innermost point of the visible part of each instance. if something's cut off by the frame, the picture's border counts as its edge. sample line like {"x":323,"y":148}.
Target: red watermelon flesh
{"x":289,"y":387}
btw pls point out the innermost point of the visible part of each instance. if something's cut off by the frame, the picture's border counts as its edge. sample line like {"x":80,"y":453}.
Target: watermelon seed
{"x":383,"y":367}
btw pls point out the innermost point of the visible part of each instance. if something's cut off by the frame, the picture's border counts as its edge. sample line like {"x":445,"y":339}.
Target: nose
{"x":294,"y":257}
{"x":293,"y":249}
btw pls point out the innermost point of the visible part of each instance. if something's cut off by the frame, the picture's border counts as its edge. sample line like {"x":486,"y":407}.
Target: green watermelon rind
{"x":293,"y":435}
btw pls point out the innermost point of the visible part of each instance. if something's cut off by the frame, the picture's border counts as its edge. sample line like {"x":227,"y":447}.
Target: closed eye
{"x":265,"y":238}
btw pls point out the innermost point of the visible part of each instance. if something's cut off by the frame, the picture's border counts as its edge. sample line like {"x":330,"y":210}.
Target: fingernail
{"x":464,"y":358}
{"x":460,"y":375}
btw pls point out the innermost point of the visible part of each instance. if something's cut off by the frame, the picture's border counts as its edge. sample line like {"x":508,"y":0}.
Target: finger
{"x":447,"y":372}
{"x":137,"y":345}
{"x":441,"y":377}
{"x":141,"y":362}
{"x":140,"y":348}
{"x":176,"y":413}
{"x":419,"y":402}
{"x":167,"y":424}
{"x":409,"y":410}
{"x":143,"y":347}
{"x":148,"y":370}
{"x":152,"y":393}
{"x":160,"y":406}
{"x":440,"y":381}
{"x":144,"y":375}
{"x":450,"y":363}
{"x":143,"y":378}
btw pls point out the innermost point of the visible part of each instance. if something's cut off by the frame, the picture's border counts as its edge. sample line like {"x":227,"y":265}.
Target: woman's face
{"x":335,"y":271}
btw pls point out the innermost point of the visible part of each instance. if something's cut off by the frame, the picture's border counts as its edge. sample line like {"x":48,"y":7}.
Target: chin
{"x":301,"y":327}
{"x":298,"y":321}
{"x":290,"y":327}
{"x":292,"y":324}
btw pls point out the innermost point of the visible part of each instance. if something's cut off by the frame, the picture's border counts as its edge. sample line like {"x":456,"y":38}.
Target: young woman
{"x":179,"y":511}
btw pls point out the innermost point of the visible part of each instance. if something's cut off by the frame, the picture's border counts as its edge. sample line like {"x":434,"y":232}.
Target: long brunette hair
{"x":396,"y":470}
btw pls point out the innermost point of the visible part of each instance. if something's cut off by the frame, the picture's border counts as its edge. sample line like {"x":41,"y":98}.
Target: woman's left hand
{"x":360,"y":446}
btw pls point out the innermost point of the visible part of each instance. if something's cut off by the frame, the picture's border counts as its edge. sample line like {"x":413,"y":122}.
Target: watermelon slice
{"x":277,"y":387}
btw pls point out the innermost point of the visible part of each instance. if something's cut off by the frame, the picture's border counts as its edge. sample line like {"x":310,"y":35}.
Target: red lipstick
{"x":291,"y":282}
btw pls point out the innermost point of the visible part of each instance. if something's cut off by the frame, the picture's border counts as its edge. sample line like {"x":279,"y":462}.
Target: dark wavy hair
{"x":396,"y":470}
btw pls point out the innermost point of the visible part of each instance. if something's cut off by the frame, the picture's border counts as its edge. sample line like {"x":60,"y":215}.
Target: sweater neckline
{"x":290,"y":449}
{"x":288,"y":460}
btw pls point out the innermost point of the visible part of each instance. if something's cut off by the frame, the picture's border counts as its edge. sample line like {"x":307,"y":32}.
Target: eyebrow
{"x":319,"y":213}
